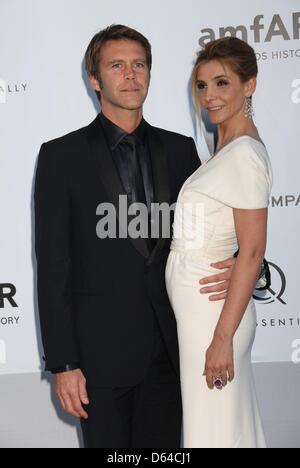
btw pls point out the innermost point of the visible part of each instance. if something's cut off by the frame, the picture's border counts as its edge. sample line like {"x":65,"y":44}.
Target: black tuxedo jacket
{"x":97,"y":297}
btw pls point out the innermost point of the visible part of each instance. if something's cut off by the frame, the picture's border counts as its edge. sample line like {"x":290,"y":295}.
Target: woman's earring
{"x":249,"y":111}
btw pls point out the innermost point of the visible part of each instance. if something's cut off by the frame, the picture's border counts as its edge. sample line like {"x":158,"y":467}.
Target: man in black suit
{"x":108,"y":330}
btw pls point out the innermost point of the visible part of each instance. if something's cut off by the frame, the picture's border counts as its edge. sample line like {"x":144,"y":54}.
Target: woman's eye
{"x":201,"y":86}
{"x":222,"y":83}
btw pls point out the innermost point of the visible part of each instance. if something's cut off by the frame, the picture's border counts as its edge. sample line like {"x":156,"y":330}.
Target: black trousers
{"x":148,"y":415}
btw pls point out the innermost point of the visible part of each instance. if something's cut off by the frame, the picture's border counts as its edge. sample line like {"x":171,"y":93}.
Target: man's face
{"x":124,"y":76}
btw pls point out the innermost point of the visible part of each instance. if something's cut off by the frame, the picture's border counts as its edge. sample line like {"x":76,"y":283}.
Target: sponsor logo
{"x":8,"y":292}
{"x":277,"y":289}
{"x":275,"y":294}
{"x":2,"y":92}
{"x":8,"y":89}
{"x":285,"y":201}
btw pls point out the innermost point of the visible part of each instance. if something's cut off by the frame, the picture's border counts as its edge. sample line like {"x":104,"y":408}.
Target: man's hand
{"x":71,"y":391}
{"x":222,"y":280}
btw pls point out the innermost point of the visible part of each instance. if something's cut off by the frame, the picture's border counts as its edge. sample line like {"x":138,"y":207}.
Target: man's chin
{"x":132,"y":106}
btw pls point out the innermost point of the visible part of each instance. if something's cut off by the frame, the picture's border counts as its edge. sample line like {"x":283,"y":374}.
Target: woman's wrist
{"x":223,"y":335}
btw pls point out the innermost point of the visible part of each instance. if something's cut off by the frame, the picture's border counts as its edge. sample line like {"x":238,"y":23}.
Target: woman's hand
{"x":219,"y":361}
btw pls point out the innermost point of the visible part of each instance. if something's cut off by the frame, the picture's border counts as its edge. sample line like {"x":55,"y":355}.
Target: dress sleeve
{"x":239,"y":178}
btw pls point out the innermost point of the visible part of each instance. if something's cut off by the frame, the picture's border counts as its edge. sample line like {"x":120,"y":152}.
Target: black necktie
{"x":137,"y":184}
{"x":135,"y":173}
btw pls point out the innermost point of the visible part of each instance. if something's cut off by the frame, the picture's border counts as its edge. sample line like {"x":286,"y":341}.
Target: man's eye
{"x":140,"y":65}
{"x":116,"y":65}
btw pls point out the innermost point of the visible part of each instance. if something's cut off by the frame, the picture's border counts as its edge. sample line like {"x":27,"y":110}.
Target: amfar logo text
{"x":296,"y":92}
{"x":7,"y":293}
{"x":276,"y":28}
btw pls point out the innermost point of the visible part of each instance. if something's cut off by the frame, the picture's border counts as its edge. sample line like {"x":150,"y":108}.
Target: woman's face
{"x":221,"y":92}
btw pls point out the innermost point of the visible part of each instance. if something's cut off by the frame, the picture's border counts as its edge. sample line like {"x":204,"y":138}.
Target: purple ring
{"x":218,"y":383}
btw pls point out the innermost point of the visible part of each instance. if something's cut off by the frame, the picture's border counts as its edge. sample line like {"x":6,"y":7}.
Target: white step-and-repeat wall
{"x":44,"y":94}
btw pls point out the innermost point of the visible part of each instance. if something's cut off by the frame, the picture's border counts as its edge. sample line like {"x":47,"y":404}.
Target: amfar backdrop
{"x":44,"y":94}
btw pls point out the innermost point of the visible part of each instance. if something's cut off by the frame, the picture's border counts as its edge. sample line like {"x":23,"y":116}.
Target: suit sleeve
{"x":52,"y":243}
{"x":195,"y":160}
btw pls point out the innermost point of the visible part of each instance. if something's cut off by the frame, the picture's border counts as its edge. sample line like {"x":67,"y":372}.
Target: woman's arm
{"x":251,"y":229}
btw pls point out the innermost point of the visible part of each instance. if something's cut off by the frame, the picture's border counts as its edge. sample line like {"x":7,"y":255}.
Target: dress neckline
{"x":235,"y":140}
{"x":217,"y":154}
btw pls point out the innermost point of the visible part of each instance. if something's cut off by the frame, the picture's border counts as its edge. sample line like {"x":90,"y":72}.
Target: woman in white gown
{"x":221,"y":207}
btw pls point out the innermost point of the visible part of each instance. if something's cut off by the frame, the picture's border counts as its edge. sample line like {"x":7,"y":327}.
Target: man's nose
{"x":129,"y":73}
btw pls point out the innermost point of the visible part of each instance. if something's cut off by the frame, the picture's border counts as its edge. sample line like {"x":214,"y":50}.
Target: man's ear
{"x":250,"y":86}
{"x":95,"y":83}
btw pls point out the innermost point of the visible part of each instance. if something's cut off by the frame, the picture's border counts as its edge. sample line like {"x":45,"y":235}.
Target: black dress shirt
{"x":115,"y":137}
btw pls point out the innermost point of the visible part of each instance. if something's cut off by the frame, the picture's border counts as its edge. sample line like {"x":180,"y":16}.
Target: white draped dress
{"x":238,"y":176}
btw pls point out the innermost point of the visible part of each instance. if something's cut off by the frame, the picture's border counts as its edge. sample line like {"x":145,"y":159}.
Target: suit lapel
{"x":108,"y":174}
{"x":160,"y":180}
